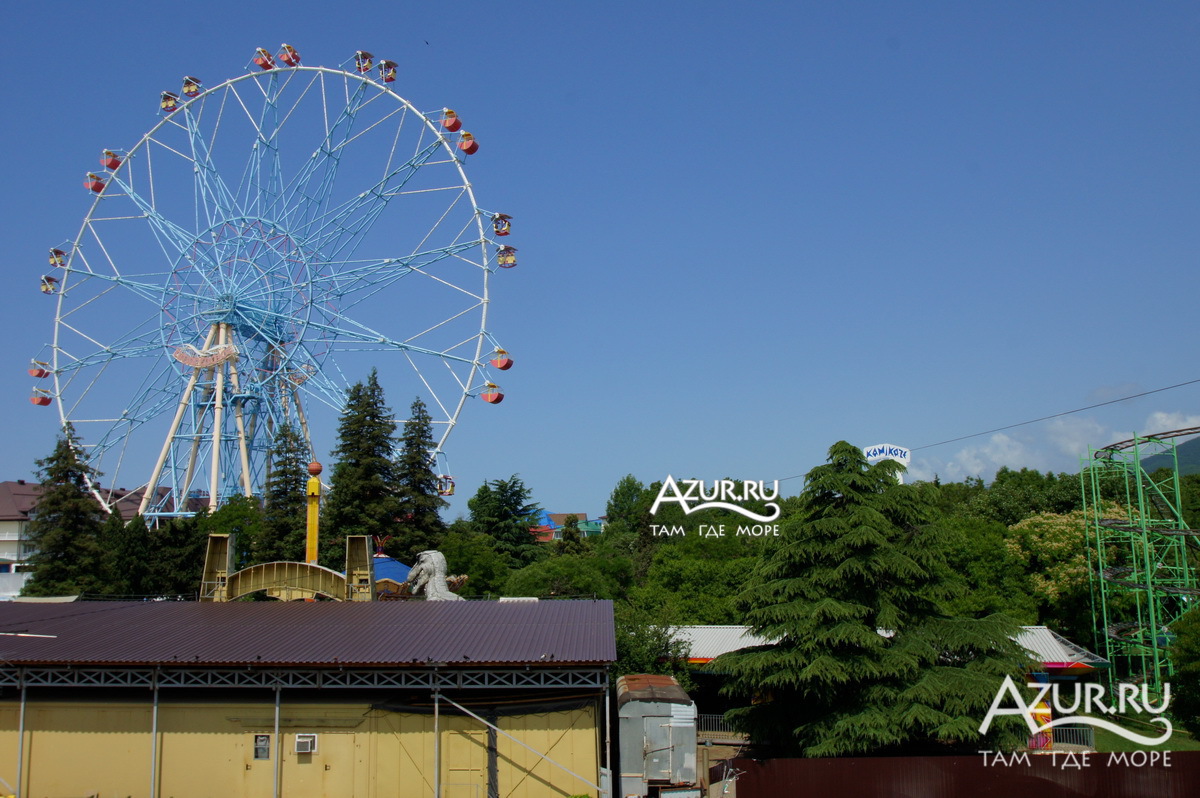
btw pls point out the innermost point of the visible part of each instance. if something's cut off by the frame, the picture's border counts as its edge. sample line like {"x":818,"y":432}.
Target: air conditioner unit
{"x":306,"y":743}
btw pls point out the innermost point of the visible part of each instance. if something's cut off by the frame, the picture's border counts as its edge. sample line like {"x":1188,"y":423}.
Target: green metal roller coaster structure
{"x":1141,"y":555}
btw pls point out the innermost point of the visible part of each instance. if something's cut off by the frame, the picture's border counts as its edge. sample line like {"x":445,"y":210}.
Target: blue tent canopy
{"x":388,"y":568}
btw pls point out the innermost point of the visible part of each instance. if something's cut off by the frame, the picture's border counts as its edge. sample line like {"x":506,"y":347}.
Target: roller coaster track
{"x":1108,"y":451}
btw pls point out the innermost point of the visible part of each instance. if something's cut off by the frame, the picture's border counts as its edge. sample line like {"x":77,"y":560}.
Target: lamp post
{"x":313,"y":492}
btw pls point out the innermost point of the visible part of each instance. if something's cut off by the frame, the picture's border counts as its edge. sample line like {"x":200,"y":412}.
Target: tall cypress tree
{"x":284,"y":509}
{"x":419,"y":526}
{"x":866,"y":658}
{"x":65,"y":528}
{"x":363,"y":496}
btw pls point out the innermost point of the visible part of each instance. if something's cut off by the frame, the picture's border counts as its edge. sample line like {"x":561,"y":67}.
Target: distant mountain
{"x":1188,"y":454}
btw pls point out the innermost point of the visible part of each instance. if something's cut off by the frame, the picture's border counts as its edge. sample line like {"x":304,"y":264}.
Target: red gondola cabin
{"x":492,"y":394}
{"x":110,"y":160}
{"x":387,"y":71}
{"x":58,"y":258}
{"x":38,"y":369}
{"x":168,"y":101}
{"x":450,"y":121}
{"x":502,"y":224}
{"x":40,"y":397}
{"x":506,"y":257}
{"x":288,"y":55}
{"x":263,"y":59}
{"x":191,"y":86}
{"x":363,"y":61}
{"x":501,"y":360}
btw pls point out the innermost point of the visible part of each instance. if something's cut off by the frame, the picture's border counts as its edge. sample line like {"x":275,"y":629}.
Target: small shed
{"x":657,"y":730}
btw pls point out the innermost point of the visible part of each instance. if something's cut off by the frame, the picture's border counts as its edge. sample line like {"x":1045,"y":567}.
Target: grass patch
{"x":1180,"y":739}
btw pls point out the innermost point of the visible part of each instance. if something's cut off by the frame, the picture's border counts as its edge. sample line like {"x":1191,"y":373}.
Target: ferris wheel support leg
{"x":303,"y":422}
{"x":214,"y":480}
{"x":243,"y":446}
{"x":194,"y":455}
{"x":152,"y":486}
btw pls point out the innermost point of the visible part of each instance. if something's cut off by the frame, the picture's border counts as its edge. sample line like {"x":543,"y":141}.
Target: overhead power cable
{"x":1036,"y":420}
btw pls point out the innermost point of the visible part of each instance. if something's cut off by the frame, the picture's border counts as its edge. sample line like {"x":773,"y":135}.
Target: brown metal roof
{"x":650,"y":687}
{"x":561,"y":518}
{"x":17,"y":499}
{"x":322,"y":633}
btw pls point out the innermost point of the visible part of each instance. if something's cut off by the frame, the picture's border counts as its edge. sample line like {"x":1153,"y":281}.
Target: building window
{"x":262,"y":746}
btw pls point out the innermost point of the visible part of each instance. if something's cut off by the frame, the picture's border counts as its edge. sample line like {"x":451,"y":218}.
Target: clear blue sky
{"x":747,"y":230}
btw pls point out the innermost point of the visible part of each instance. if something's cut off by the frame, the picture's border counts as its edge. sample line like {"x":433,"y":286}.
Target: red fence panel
{"x":1062,"y":775}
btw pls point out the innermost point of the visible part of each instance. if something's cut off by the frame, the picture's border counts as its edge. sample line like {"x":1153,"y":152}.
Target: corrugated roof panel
{"x":310,"y":633}
{"x":1050,"y":648}
{"x":709,"y":642}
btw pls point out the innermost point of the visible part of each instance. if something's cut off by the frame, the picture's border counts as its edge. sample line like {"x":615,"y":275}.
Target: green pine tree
{"x":177,"y":556}
{"x":867,"y":661}
{"x":420,"y":527}
{"x":363,"y":492}
{"x":284,"y":523}
{"x":126,"y":549}
{"x":65,"y":528}
{"x":572,"y":539}
{"x":503,"y":510}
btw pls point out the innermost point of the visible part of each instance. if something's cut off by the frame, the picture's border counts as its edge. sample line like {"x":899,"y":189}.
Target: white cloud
{"x":1073,"y":436}
{"x":982,"y":460}
{"x":1161,"y":421}
{"x":1056,"y":445}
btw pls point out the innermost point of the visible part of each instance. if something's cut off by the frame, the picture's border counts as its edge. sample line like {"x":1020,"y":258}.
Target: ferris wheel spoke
{"x":167,"y":232}
{"x":212,"y":193}
{"x":359,"y":280}
{"x":353,"y":218}
{"x":307,"y":193}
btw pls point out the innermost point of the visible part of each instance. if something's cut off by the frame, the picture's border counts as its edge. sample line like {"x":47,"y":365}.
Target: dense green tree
{"x":628,"y":507}
{"x":1185,"y":684}
{"x":571,"y":541}
{"x":954,"y":498}
{"x":284,"y":522}
{"x":1016,"y":495}
{"x":694,"y":590}
{"x":474,"y":554}
{"x":127,"y":551}
{"x":419,"y":526}
{"x":177,"y":556}
{"x":240,"y":517}
{"x":994,"y":575}
{"x":572,"y":575}
{"x":646,"y":644}
{"x":627,"y":523}
{"x":503,"y":509}
{"x":867,"y":659}
{"x":1051,"y":551}
{"x":363,"y":496}
{"x":64,"y":530}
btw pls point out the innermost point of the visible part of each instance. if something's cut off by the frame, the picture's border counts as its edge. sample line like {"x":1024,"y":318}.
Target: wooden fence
{"x":1143,"y":774}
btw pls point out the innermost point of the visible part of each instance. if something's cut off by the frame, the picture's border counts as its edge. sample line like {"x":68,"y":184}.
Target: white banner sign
{"x":887,"y":451}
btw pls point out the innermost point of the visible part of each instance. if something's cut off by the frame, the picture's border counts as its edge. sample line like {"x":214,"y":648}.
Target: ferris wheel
{"x":268,"y":242}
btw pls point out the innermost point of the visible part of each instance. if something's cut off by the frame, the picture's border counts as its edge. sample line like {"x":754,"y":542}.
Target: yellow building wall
{"x":207,"y":749}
